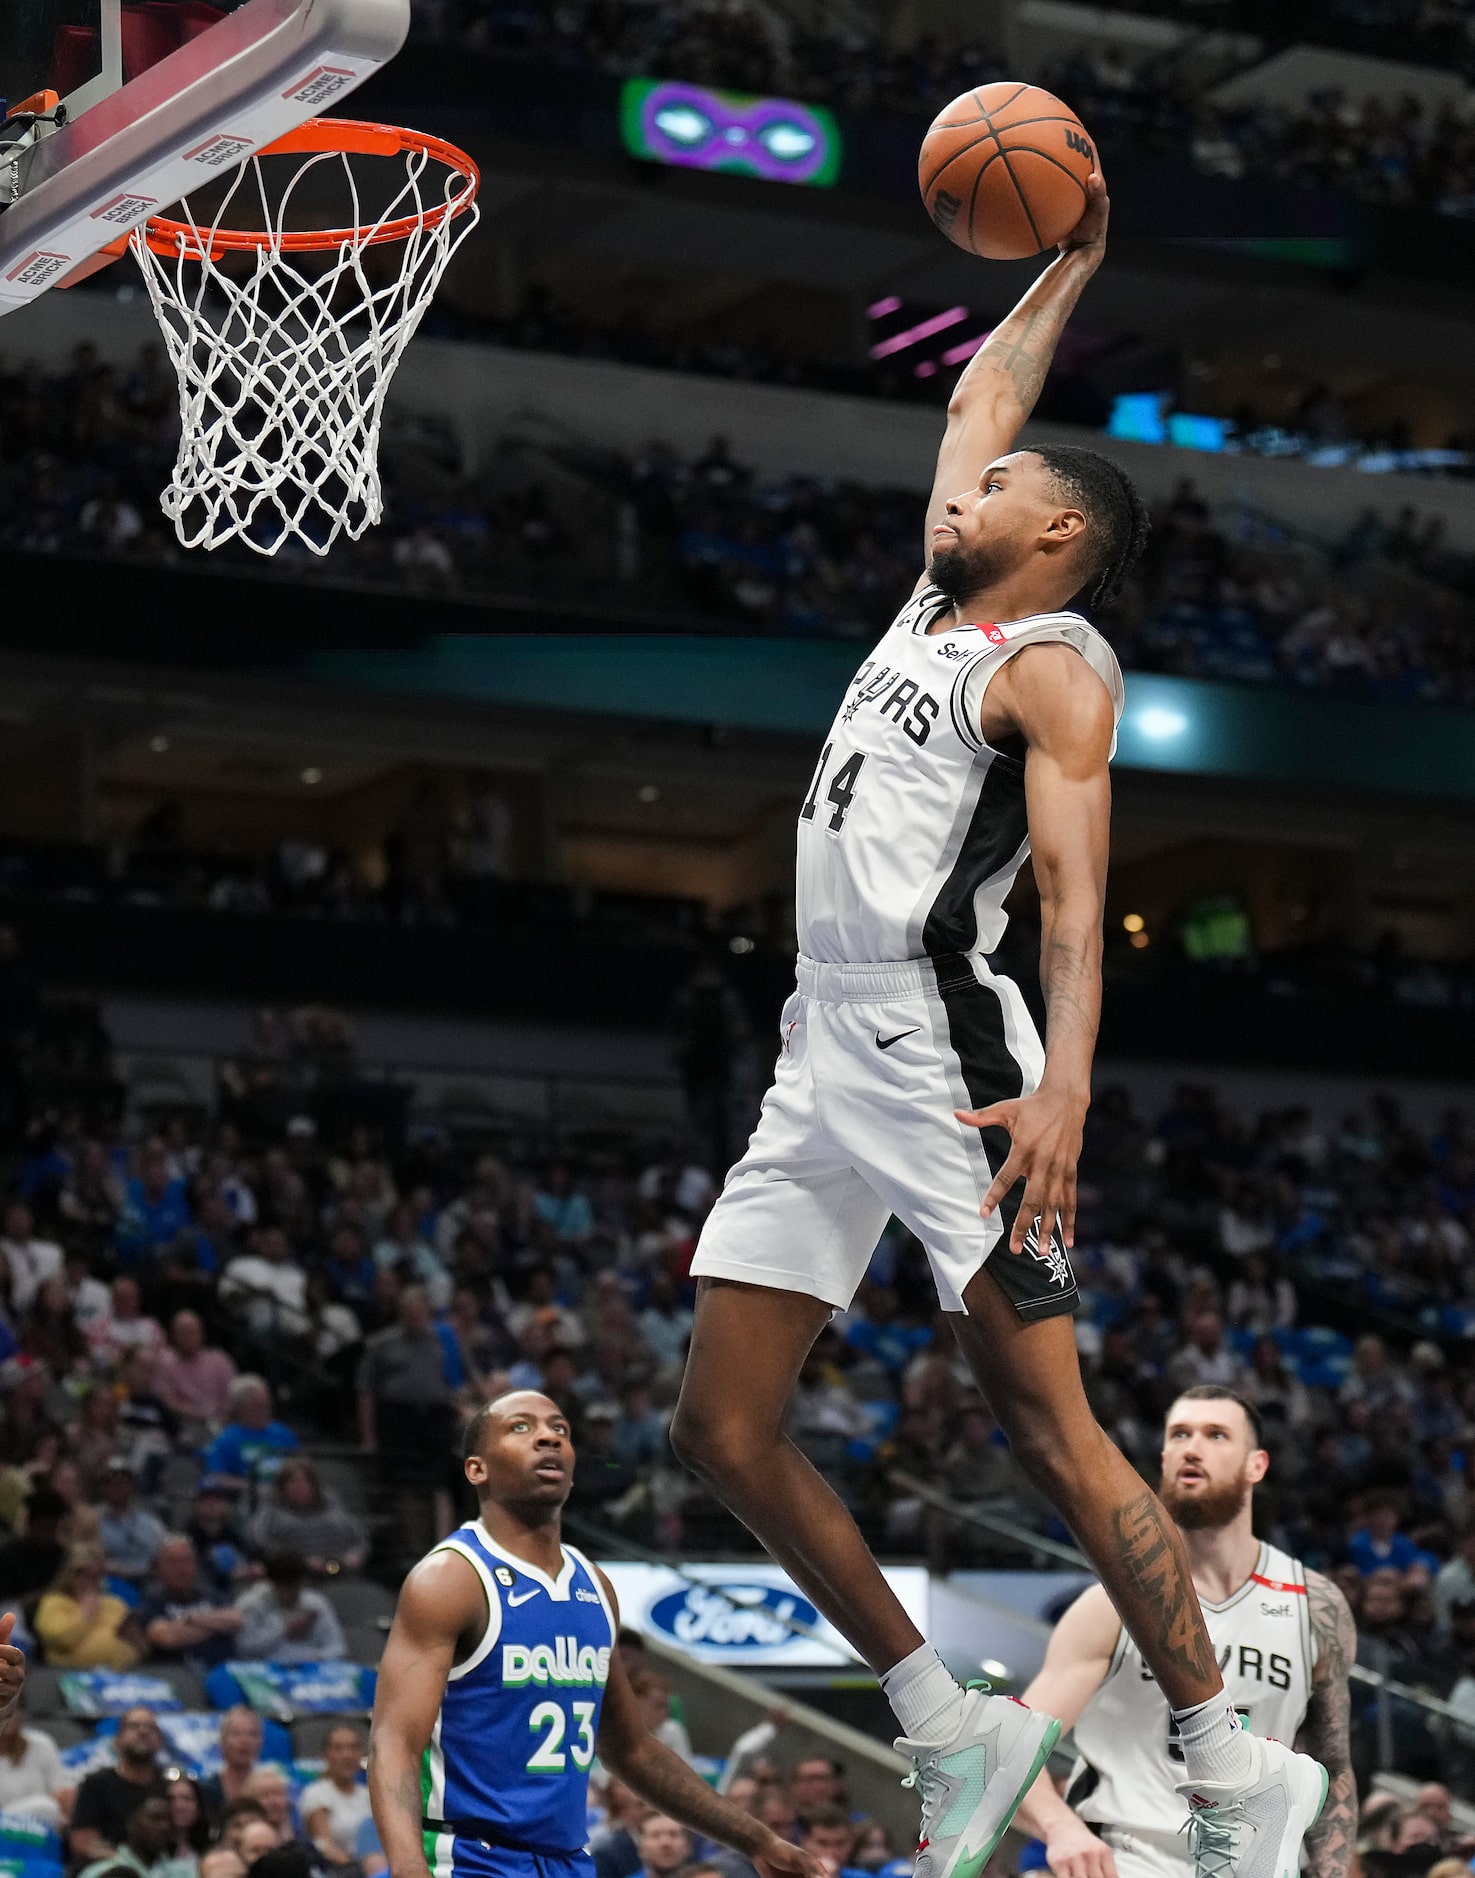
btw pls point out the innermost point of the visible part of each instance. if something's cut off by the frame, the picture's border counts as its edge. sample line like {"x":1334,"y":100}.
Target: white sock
{"x":1216,"y":1749}
{"x":924,"y":1697}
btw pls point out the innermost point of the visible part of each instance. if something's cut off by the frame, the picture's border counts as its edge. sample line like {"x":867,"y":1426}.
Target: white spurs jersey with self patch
{"x":1128,"y":1762}
{"x":913,"y":828}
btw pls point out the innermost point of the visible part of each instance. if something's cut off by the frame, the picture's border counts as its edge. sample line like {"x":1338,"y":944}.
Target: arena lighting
{"x":694,"y":127}
{"x":955,"y":355}
{"x":1159,"y":724}
{"x":924,"y":329}
{"x":880,"y":308}
{"x":1134,"y":922}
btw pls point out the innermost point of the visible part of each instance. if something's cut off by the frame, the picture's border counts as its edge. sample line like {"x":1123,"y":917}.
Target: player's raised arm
{"x":441,"y":1599}
{"x":1326,"y":1732}
{"x":998,"y":389}
{"x":649,"y":1768}
{"x":1075,"y":1666}
{"x":1059,"y":705}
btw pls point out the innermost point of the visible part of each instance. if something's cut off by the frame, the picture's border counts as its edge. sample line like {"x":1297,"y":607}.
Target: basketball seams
{"x":994,"y":131}
{"x":1029,"y":214}
{"x":973,"y":196}
{"x":985,"y":112}
{"x":1045,"y":117}
{"x":991,"y":111}
{"x":982,"y":126}
{"x":952,"y":157}
{"x":1030,"y":149}
{"x":987,"y":164}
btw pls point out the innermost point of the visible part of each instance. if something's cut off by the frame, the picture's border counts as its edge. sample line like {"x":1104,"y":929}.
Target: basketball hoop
{"x":282,"y":370}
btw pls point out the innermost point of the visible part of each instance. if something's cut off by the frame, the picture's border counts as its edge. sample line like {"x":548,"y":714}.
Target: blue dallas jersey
{"x":513,"y":1743}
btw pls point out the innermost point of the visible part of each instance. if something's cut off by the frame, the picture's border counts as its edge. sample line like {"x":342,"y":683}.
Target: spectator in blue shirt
{"x":131,"y":1534}
{"x":250,"y":1446}
{"x":1378,"y":1545}
{"x":558,"y":1205}
{"x":349,"y":1269}
{"x":155,"y":1205}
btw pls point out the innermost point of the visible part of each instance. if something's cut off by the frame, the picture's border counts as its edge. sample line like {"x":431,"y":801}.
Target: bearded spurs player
{"x":1284,"y":1636}
{"x":911,"y":1081}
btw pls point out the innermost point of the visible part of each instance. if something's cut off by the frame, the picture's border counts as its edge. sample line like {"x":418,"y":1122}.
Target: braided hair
{"x":1117,"y":525}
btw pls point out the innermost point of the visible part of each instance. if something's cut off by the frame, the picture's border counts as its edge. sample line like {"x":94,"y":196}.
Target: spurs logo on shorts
{"x":911,"y":833}
{"x":1054,"y":1256}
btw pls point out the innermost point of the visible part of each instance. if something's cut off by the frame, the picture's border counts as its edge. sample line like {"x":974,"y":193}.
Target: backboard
{"x":129,"y":104}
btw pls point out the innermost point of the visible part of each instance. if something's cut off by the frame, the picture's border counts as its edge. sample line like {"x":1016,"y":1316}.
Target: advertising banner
{"x":742,"y":1614}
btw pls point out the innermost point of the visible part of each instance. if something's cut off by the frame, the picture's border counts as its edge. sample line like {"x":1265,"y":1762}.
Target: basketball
{"x":1003,"y":170}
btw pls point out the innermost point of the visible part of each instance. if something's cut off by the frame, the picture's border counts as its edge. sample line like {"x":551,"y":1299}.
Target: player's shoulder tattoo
{"x":1333,"y":1628}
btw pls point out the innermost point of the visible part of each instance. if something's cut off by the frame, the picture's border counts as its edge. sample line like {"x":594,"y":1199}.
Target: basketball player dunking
{"x":1284,"y":1636}
{"x":500,"y":1681}
{"x":911,"y":1081}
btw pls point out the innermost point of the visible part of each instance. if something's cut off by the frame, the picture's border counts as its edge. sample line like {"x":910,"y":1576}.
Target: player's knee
{"x":1049,"y":1461}
{"x":712,"y":1447}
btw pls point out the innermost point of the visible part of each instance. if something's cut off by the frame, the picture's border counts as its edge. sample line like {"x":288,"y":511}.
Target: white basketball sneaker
{"x":1255,"y":1830}
{"x":972,"y":1785}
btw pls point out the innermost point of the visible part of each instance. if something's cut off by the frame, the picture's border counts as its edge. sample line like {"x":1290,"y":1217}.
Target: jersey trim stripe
{"x":598,"y":1583}
{"x":494,"y":1615}
{"x":971,"y":734}
{"x":558,"y":1588}
{"x":1277,"y":1584}
{"x":997,"y":832}
{"x":932,"y":598}
{"x":439,"y":1847}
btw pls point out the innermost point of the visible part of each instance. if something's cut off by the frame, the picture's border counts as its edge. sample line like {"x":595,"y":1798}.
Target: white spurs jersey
{"x":913,"y":828}
{"x":1128,"y":1763}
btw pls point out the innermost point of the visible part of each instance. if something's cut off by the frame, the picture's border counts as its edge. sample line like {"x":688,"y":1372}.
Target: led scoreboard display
{"x":694,"y":127}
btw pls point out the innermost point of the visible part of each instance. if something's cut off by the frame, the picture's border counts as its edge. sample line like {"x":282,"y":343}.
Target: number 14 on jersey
{"x":841,"y":792}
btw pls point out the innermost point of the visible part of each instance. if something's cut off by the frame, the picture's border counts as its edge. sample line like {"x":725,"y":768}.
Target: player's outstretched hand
{"x":12,"y":1665}
{"x":1090,"y":230}
{"x":779,"y":1856}
{"x":1044,"y":1145}
{"x":1072,"y":1850}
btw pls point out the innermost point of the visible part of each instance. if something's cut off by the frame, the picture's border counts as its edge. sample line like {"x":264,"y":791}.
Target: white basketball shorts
{"x":859,"y":1125}
{"x":1145,"y":1855}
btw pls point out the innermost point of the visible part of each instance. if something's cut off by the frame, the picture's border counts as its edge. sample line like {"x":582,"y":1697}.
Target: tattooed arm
{"x":441,"y":1605}
{"x":1050,"y":696}
{"x":649,"y":1768}
{"x":997,"y":391}
{"x":1326,"y":1731}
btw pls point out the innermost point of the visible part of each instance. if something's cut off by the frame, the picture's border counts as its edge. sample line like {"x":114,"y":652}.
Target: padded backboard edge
{"x":258,"y":73}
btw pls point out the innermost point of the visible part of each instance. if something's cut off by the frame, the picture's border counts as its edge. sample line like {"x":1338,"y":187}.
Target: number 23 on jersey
{"x":549,"y":1721}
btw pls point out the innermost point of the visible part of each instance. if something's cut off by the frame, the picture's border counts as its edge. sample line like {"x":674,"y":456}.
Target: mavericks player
{"x":500,"y":1683}
{"x":1284,"y":1636}
{"x":911,"y":1081}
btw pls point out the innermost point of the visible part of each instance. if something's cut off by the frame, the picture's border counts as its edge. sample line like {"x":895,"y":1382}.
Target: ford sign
{"x":733,"y":1617}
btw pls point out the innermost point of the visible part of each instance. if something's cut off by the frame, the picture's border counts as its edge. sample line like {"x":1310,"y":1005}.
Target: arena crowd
{"x":1404,"y":153}
{"x":662,"y":537}
{"x":194,"y":1302}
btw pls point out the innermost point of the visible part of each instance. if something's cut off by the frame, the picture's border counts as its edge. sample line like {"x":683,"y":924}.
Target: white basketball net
{"x":282,"y":373}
